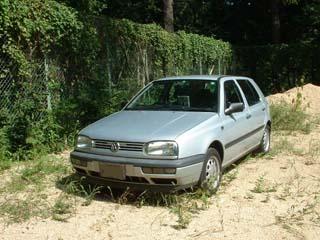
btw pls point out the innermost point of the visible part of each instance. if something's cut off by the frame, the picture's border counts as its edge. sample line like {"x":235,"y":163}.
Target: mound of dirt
{"x":310,"y":96}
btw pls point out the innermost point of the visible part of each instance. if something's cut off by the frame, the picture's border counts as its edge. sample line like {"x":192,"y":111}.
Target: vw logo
{"x":115,"y":147}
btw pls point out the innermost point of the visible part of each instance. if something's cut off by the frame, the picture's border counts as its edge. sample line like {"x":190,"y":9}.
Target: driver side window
{"x":231,"y":94}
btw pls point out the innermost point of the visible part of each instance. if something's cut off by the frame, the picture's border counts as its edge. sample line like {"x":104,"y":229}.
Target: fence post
{"x":146,"y":67}
{"x":109,"y":68}
{"x":46,"y":72}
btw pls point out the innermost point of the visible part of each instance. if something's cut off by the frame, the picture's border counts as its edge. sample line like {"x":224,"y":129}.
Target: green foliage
{"x":42,"y":168}
{"x":28,"y":31}
{"x":62,"y":208}
{"x":20,"y":210}
{"x":87,"y":7}
{"x":261,"y":186}
{"x":5,"y":154}
{"x":30,"y":28}
{"x":239,"y":22}
{"x":278,"y":67}
{"x":4,"y":145}
{"x":311,"y":22}
{"x":289,"y":117}
{"x":166,"y":53}
{"x":96,"y":64}
{"x":77,"y":186}
{"x":25,"y":137}
{"x":34,"y":174}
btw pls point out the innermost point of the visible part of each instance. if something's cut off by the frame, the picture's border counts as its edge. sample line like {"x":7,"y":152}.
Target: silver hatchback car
{"x":175,"y":133}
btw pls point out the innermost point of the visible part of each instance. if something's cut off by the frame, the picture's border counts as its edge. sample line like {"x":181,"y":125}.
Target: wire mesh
{"x":34,"y":87}
{"x":6,"y":83}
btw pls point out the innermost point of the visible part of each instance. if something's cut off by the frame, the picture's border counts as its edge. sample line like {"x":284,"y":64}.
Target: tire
{"x":211,"y":174}
{"x":264,"y":146}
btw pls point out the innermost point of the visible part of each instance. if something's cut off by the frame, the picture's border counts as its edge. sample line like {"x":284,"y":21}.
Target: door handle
{"x":248,"y":116}
{"x":263,"y":109}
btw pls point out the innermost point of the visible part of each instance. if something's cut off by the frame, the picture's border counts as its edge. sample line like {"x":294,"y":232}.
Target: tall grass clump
{"x":290,"y":116}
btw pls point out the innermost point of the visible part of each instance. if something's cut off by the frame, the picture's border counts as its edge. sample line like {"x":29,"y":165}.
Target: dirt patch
{"x":272,"y":197}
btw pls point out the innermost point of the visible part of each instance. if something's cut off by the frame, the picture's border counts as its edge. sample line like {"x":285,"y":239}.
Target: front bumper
{"x":187,"y":173}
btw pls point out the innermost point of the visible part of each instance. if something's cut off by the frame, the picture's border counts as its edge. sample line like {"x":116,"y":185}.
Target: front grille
{"x":123,"y":146}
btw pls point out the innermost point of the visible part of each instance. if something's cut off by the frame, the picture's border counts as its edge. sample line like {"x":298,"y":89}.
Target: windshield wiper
{"x":193,"y":109}
{"x":144,"y":107}
{"x":189,"y":109}
{"x":170,"y":108}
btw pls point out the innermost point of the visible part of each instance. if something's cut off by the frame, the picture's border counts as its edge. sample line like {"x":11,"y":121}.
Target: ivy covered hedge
{"x":86,"y":66}
{"x":169,"y":54}
{"x":138,"y":53}
{"x":31,"y":28}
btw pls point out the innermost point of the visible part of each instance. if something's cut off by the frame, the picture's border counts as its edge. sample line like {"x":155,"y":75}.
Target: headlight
{"x":161,"y":148}
{"x":83,"y":142}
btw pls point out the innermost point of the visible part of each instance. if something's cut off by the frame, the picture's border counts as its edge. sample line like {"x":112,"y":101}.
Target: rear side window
{"x":249,"y":91}
{"x":232,"y":93}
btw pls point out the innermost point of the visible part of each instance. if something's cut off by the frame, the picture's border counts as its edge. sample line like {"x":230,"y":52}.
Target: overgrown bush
{"x":290,"y":116}
{"x":4,"y":142}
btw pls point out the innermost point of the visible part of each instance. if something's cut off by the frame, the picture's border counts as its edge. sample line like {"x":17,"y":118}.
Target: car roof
{"x":198,"y":77}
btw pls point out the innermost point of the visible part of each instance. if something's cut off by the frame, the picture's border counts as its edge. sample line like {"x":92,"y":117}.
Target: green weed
{"x":35,"y":174}
{"x":38,"y":170}
{"x":299,"y":213}
{"x":184,"y":215}
{"x":290,"y":117}
{"x":62,"y":208}
{"x":261,"y":186}
{"x":5,"y":164}
{"x":76,"y":185}
{"x":183,"y":204}
{"x":229,"y":176}
{"x":18,"y":210}
{"x":314,"y":150}
{"x":87,"y":191}
{"x":5,"y":160}
{"x":282,"y":145}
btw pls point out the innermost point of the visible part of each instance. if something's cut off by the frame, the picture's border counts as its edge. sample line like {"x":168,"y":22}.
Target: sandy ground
{"x":286,"y":208}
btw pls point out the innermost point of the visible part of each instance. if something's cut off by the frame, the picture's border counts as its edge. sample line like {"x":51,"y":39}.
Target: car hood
{"x":144,"y":126}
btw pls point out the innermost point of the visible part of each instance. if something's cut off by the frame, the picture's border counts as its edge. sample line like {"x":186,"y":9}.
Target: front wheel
{"x":211,"y":174}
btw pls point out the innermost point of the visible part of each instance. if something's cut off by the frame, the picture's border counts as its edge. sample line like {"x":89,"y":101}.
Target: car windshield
{"x":178,"y":95}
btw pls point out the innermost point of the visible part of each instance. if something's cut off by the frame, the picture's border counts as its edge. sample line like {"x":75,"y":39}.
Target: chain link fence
{"x":6,"y":83}
{"x":46,"y":80}
{"x":38,"y":84}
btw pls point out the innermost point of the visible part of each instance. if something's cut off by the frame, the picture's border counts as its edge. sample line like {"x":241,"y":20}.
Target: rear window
{"x":249,"y":91}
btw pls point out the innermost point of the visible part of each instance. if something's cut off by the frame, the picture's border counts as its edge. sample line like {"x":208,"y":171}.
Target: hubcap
{"x":266,"y":140}
{"x":213,"y":172}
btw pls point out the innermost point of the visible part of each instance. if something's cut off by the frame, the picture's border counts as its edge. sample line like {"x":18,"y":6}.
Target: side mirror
{"x":233,"y":108}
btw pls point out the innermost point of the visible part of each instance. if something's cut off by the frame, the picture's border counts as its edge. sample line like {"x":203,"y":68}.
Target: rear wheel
{"x":211,"y":174}
{"x":265,"y":141}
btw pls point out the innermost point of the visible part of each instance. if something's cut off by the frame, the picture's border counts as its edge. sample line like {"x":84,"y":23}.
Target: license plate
{"x":115,"y":171}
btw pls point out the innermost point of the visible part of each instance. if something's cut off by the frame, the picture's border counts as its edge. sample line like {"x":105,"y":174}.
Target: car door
{"x":256,"y":111}
{"x":235,"y":127}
